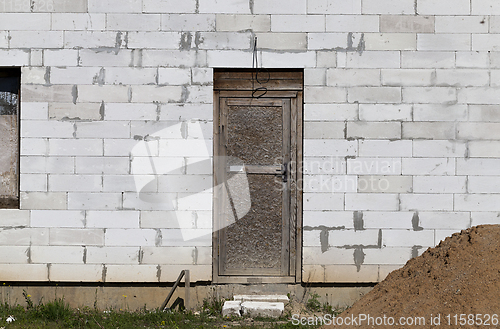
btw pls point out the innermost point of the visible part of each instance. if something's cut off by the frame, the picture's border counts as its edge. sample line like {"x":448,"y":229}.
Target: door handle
{"x":278,"y":170}
{"x":283,"y":172}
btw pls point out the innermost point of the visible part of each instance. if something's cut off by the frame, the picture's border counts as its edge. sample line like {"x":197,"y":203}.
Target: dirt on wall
{"x":453,"y":285}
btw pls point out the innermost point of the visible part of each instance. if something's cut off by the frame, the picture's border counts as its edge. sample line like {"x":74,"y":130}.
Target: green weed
{"x":58,"y":315}
{"x":313,"y":303}
{"x":212,"y":305}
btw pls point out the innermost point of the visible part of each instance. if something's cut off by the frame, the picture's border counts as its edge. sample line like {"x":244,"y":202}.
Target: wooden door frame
{"x":285,"y":84}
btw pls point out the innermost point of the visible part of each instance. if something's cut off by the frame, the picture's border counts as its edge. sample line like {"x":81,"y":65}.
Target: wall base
{"x":133,"y":297}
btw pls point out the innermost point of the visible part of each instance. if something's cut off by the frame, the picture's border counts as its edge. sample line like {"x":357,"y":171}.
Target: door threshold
{"x":255,"y":279}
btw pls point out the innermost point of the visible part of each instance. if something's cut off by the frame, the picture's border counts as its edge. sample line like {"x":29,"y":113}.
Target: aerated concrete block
{"x":271,"y":310}
{"x":231,"y":308}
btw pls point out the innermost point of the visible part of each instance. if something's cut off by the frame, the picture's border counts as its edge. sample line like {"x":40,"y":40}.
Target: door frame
{"x":284,"y":84}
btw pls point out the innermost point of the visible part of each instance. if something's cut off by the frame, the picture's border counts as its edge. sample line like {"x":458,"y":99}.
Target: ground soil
{"x":459,"y":276}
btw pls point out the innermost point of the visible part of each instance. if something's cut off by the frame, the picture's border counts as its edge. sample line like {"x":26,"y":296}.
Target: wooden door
{"x":256,"y":194}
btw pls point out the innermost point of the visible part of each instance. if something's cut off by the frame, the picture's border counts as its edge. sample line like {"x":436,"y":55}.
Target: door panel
{"x":256,"y":138}
{"x":255,"y":133}
{"x":254,"y":242}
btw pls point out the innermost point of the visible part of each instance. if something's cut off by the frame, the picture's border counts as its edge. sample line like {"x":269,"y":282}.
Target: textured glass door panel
{"x":255,"y":134}
{"x":255,"y":241}
{"x":255,"y":143}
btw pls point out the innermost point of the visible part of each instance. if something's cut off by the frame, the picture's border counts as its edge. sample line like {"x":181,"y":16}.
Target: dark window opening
{"x":10,"y":83}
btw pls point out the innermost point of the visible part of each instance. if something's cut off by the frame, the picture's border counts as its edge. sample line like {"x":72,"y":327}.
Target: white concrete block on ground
{"x":231,"y":308}
{"x":271,"y":310}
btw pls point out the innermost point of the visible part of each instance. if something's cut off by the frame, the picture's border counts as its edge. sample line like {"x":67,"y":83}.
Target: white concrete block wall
{"x":400,"y":124}
{"x":440,"y":70}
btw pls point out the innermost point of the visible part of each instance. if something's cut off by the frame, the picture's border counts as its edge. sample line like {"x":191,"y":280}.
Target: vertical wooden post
{"x":187,"y":286}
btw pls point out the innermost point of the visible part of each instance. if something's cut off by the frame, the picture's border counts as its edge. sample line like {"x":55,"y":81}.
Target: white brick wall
{"x":401,"y":138}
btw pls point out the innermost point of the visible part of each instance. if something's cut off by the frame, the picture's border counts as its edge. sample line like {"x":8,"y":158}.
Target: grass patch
{"x":58,"y":315}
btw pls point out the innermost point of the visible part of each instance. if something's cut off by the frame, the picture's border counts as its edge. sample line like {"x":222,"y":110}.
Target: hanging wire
{"x":261,"y":75}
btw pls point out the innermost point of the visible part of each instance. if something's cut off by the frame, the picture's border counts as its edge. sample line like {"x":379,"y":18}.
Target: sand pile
{"x":459,"y":276}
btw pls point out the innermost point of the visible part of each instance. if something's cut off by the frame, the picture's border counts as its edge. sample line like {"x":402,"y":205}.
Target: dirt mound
{"x":453,"y":285}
